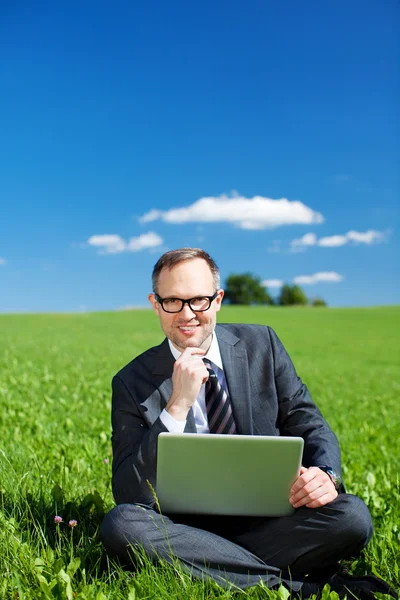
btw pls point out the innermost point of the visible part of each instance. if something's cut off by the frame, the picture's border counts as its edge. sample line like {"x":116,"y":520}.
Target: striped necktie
{"x":218,"y":405}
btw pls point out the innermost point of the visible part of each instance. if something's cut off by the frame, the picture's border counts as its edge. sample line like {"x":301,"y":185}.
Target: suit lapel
{"x":234,"y":361}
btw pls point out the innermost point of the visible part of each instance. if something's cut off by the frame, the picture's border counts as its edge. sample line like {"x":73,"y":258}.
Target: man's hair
{"x":174,"y":257}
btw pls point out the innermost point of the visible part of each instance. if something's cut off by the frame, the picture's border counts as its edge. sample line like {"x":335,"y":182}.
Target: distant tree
{"x":318,"y":302}
{"x":285,"y":297}
{"x":246,"y":288}
{"x":292,"y":295}
{"x":298,"y":296}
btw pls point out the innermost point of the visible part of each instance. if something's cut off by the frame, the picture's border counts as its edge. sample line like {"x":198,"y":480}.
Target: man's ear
{"x":152,"y":299}
{"x":218,"y":299}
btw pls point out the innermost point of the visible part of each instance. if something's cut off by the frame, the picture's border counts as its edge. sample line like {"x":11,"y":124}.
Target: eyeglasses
{"x":175,"y":305}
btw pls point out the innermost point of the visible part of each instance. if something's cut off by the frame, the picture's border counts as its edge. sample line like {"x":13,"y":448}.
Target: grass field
{"x":55,"y":373}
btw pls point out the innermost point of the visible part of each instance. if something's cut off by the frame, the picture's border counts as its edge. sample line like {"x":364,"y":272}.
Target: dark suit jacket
{"x":268,"y":398}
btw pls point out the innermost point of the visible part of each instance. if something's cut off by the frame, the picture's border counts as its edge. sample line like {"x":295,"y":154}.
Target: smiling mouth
{"x":187,"y":328}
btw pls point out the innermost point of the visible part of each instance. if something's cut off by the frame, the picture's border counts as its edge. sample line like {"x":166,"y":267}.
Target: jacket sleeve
{"x":299,"y":416}
{"x":134,"y":446}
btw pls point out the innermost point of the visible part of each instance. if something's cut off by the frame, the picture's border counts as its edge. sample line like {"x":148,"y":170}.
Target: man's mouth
{"x":187,"y":328}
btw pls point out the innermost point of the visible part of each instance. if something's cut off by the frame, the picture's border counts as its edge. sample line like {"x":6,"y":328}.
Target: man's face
{"x":188,"y":279}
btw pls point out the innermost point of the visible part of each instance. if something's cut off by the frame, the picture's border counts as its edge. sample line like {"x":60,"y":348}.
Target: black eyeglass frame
{"x":188,"y":301}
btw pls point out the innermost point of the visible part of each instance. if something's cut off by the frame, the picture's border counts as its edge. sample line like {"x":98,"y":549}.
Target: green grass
{"x":55,"y":373}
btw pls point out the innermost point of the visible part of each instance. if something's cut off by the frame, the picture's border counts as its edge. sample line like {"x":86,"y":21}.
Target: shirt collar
{"x":213,"y":353}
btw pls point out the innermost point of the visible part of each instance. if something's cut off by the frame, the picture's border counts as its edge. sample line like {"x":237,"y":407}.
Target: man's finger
{"x":311,"y":495}
{"x":322,"y":500}
{"x":188,"y":352}
{"x":306,"y":490}
{"x":304,"y":477}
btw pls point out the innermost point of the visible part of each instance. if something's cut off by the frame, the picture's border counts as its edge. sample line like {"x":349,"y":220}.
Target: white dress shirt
{"x":199,"y":406}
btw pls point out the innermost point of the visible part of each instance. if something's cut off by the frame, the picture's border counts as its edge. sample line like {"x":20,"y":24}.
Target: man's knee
{"x":354,"y":524}
{"x":124,"y":526}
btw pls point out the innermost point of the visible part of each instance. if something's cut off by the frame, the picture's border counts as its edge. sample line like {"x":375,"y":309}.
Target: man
{"x":164,"y":389}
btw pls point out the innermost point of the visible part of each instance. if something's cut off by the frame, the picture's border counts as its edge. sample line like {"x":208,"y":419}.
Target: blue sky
{"x":265,"y":132}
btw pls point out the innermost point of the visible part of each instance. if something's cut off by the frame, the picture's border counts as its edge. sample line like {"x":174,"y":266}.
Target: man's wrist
{"x":177,"y":412}
{"x":333,"y":475}
{"x":173,"y":425}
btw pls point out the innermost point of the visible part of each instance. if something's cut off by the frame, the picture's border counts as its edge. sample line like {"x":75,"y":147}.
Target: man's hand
{"x":313,"y":488}
{"x":189,"y":374}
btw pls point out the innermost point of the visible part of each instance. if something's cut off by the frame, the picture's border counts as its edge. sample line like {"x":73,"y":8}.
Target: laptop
{"x":244,"y":475}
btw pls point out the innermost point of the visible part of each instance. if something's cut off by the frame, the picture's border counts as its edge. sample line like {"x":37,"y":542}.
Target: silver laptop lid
{"x":227,"y":474}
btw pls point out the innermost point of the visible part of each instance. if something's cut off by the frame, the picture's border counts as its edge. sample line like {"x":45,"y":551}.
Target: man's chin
{"x":191,"y":342}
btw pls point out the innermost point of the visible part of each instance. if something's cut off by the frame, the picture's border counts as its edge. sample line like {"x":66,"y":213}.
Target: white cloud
{"x":328,"y":276}
{"x":333,"y":241}
{"x":108,"y":244}
{"x":247,"y":213}
{"x":272,"y":283}
{"x":3,"y":261}
{"x":146,"y":240}
{"x":309,"y":239}
{"x":369,"y":237}
{"x":114,"y":244}
{"x":152,"y":215}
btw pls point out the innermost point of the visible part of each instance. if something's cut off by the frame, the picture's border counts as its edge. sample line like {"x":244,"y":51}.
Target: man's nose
{"x":187,"y":311}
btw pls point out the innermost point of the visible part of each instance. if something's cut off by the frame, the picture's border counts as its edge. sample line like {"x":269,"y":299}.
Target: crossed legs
{"x":243,"y":550}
